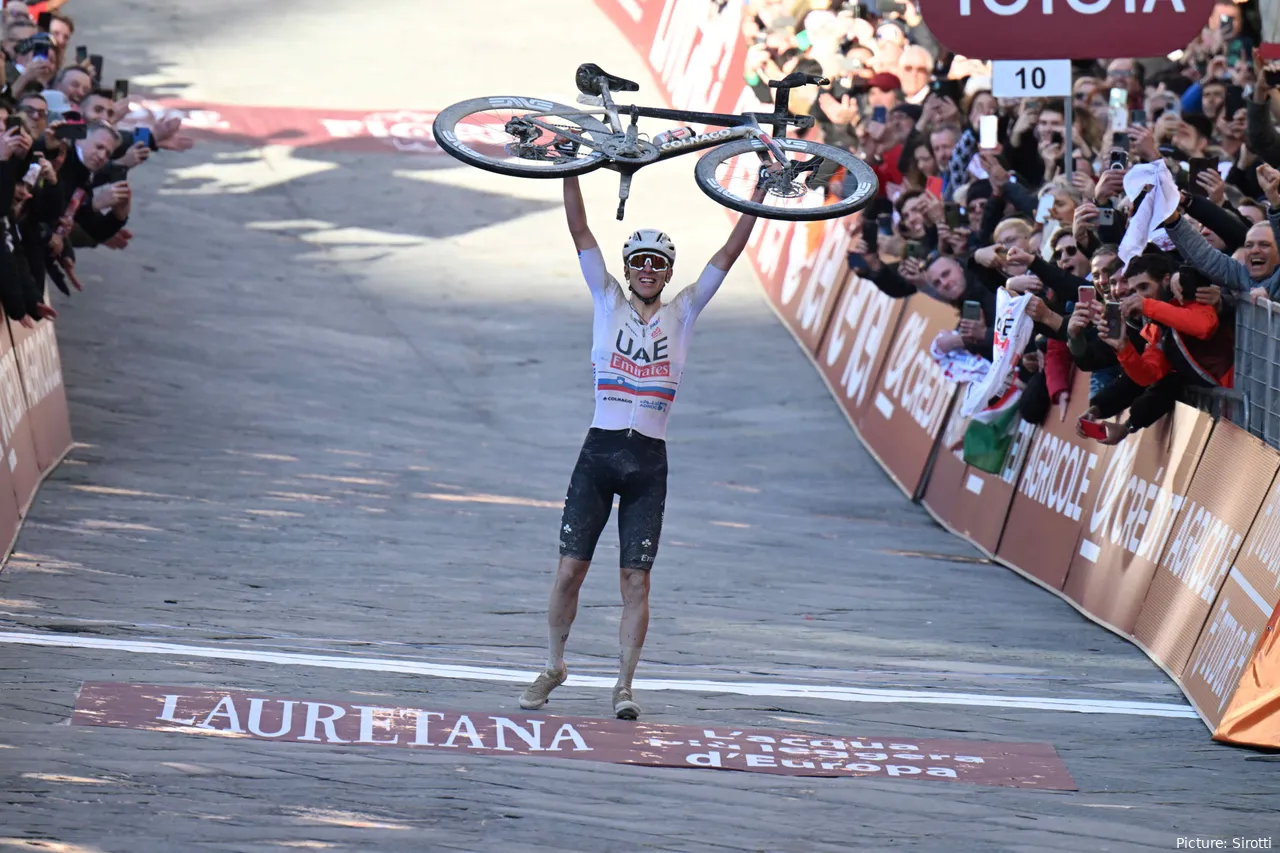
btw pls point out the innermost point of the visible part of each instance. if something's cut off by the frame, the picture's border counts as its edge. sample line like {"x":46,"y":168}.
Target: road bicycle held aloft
{"x":534,"y":138}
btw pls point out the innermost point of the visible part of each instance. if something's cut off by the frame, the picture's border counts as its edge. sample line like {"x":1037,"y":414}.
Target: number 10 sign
{"x":1033,"y":78}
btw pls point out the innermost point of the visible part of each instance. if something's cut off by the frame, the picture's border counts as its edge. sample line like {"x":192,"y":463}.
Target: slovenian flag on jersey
{"x":619,"y":383}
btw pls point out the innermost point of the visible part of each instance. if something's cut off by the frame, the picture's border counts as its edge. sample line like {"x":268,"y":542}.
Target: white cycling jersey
{"x":637,"y":365}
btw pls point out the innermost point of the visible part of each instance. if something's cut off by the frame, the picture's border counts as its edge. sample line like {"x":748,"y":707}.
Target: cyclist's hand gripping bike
{"x":533,"y":138}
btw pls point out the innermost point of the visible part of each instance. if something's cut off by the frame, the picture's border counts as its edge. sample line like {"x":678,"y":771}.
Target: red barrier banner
{"x":1058,"y":483}
{"x":1240,"y":614}
{"x":46,"y":396}
{"x":1253,"y":716}
{"x":909,"y":403}
{"x":238,"y":716}
{"x":853,"y":349}
{"x":1136,"y":502}
{"x":1229,"y":485}
{"x":20,"y":459}
{"x":807,"y":294}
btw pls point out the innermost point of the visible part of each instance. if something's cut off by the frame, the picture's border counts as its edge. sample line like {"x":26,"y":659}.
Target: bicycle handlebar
{"x":797,"y":78}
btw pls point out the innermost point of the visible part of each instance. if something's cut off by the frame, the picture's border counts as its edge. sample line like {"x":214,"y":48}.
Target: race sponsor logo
{"x":653,"y":404}
{"x":692,"y":52}
{"x":692,"y":141}
{"x":1057,"y":474}
{"x":626,"y":365}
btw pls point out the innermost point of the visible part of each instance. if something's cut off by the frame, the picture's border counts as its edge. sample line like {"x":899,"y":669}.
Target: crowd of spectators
{"x":69,"y":145}
{"x":1145,"y":305}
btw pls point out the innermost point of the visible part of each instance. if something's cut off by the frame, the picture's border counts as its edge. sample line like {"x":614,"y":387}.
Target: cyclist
{"x":637,"y":352}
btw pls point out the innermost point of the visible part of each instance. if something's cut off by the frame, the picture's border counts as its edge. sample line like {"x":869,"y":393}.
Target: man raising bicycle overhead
{"x":637,"y":353}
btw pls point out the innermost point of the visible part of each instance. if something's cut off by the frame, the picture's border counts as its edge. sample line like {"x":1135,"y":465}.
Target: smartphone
{"x":934,"y":185}
{"x":1115,"y":322}
{"x":1190,"y":281}
{"x":1033,"y":105}
{"x":144,"y":134}
{"x":955,"y":215}
{"x":871,"y":235}
{"x":14,"y":121}
{"x":1195,"y":166}
{"x":40,"y":51}
{"x":1119,"y":158}
{"x":884,"y":223}
{"x":988,"y":129}
{"x":1137,"y":118}
{"x":121,"y":91}
{"x":96,"y":61}
{"x":1273,"y":77}
{"x":82,"y":54}
{"x":880,"y":114}
{"x":1120,"y":99}
{"x":1087,"y":294}
{"x":1119,"y":120}
{"x":1093,"y":429}
{"x":71,"y":130}
{"x":1043,"y":208}
{"x":971,"y":310}
{"x":1106,"y":216}
{"x":44,"y":21}
{"x":914,"y":249}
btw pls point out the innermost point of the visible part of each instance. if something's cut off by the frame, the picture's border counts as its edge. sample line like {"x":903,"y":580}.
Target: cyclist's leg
{"x":586,"y":510}
{"x":587,"y":505}
{"x":640,"y":510}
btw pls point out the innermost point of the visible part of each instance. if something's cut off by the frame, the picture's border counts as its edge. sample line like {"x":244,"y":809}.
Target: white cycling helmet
{"x":649,"y":240}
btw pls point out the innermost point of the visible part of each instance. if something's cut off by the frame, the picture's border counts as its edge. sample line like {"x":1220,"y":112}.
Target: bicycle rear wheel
{"x":495,"y":134}
{"x":729,"y":174}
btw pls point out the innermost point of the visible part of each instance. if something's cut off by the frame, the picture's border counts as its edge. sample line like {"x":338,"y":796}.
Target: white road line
{"x":515,"y":676}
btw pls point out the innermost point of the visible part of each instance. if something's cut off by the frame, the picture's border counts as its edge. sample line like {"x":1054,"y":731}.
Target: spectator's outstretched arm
{"x":1196,"y":249}
{"x":1220,"y":221}
{"x":1261,"y":136}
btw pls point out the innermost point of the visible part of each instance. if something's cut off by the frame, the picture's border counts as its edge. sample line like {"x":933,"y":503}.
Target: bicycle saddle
{"x":588,"y":80}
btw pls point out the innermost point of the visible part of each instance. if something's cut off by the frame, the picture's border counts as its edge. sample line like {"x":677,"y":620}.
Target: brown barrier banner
{"x":1230,"y":635}
{"x":1058,"y":482}
{"x":1240,"y":614}
{"x":233,"y":715}
{"x":20,"y":458}
{"x":983,"y":505}
{"x":969,"y":501}
{"x":41,"y":372}
{"x":1229,"y":485}
{"x":946,"y":477}
{"x":1253,"y":716}
{"x":909,"y":402}
{"x":807,"y":294}
{"x":1137,"y":499}
{"x":853,"y":350}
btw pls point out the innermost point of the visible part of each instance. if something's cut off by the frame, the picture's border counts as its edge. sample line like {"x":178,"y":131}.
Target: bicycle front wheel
{"x":499,"y":134}
{"x":730,"y":172}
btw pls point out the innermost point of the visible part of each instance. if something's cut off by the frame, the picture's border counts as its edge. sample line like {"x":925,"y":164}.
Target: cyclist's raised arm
{"x":738,"y":237}
{"x":576,"y":212}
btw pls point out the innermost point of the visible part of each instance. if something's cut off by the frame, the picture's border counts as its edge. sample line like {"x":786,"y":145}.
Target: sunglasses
{"x":1065,"y":251}
{"x":657,"y":263}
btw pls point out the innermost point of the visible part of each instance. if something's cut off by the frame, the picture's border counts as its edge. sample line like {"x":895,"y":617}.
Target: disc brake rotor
{"x":527,"y":148}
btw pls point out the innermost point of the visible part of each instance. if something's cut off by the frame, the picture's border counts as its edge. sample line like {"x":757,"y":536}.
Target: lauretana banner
{"x":1171,"y":538}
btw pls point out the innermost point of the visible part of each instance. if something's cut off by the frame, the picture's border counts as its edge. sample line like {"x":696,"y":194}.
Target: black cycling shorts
{"x":623,"y":463}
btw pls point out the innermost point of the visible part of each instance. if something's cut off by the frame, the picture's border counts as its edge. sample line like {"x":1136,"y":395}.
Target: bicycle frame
{"x":736,"y":127}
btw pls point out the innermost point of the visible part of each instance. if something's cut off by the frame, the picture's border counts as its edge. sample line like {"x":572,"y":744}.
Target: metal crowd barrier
{"x":1257,"y":371}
